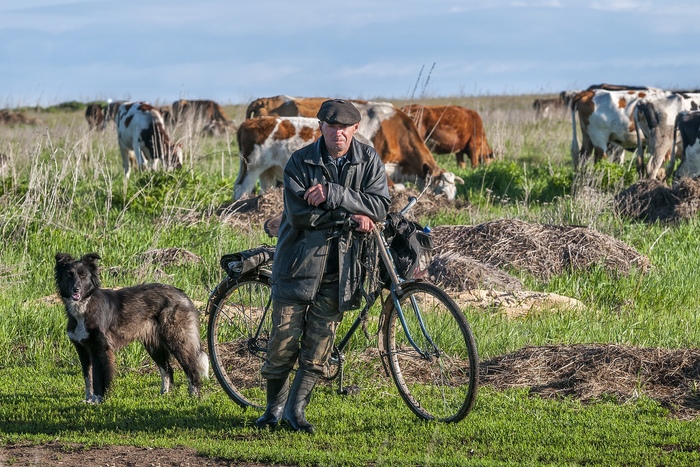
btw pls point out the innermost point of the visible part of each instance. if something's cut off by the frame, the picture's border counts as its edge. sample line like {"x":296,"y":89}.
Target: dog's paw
{"x":94,"y":400}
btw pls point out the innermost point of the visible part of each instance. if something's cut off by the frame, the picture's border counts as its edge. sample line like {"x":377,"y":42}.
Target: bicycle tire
{"x":238,"y":329}
{"x":442,"y":383}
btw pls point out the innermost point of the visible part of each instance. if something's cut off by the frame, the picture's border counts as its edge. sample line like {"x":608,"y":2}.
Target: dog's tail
{"x":203,"y":364}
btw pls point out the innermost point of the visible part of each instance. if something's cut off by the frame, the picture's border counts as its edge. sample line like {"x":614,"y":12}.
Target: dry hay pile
{"x":428,"y":203}
{"x":455,"y":273}
{"x":542,"y":250}
{"x":589,"y":371}
{"x":253,"y":211}
{"x":13,"y":118}
{"x":652,"y":200}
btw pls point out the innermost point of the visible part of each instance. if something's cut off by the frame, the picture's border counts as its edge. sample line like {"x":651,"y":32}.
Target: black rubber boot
{"x":298,"y":399}
{"x":277,"y":391}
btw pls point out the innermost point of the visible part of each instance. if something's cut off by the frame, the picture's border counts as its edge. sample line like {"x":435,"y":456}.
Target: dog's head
{"x":76,"y":279}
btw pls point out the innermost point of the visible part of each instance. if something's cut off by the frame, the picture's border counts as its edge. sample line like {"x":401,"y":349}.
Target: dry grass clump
{"x":589,"y":371}
{"x":542,"y":250}
{"x":652,"y":200}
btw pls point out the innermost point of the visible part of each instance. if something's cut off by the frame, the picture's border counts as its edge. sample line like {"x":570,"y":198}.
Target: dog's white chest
{"x":79,"y":333}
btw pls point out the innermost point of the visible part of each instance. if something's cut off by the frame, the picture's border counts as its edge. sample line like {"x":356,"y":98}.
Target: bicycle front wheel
{"x":240,"y":322}
{"x":431,"y":353}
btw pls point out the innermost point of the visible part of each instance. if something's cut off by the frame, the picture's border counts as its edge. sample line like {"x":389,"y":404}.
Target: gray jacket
{"x":306,"y":231}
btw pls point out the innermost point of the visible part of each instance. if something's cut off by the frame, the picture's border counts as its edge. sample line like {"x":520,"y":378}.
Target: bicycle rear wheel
{"x":433,"y":359}
{"x":240,"y":322}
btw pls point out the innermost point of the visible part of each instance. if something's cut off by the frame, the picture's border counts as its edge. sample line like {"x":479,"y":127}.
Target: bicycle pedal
{"x":351,"y":390}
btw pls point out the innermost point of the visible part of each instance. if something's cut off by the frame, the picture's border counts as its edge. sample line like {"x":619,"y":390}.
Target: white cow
{"x":606,"y":118}
{"x":143,"y":139}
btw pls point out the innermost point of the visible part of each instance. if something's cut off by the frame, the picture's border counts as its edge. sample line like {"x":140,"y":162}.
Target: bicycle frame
{"x":395,"y":292}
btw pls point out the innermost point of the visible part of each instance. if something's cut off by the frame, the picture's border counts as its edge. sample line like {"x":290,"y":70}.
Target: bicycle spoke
{"x":240,"y":321}
{"x":432,"y":354}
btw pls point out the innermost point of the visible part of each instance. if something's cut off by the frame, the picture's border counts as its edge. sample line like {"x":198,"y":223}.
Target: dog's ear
{"x":90,"y":258}
{"x":63,"y":258}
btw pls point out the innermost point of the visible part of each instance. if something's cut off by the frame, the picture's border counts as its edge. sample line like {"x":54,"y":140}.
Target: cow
{"x":265,"y":144}
{"x":451,"y":129}
{"x":287,"y":106}
{"x":654,"y":118}
{"x":142,"y":136}
{"x":95,"y":115}
{"x":390,"y":131}
{"x":545,"y":108}
{"x":687,"y":124}
{"x":111,"y":110}
{"x":203,"y":114}
{"x":606,"y":117}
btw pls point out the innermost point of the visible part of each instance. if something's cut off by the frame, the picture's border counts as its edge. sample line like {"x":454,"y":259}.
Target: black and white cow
{"x":654,"y":118}
{"x":688,"y":126}
{"x":143,"y":139}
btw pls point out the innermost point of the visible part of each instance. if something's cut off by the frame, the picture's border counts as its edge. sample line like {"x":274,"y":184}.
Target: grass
{"x":63,"y":192}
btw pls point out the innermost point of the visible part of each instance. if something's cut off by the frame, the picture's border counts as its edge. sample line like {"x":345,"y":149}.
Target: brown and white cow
{"x":202,"y":114}
{"x":687,"y":124}
{"x":606,"y":117}
{"x":449,"y":129}
{"x":95,"y":115}
{"x":655,"y":117}
{"x":286,"y":106}
{"x":143,"y":139}
{"x":390,"y":131}
{"x":265,"y":145}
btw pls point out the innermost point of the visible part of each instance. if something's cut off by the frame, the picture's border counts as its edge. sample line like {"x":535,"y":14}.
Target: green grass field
{"x":61,"y":190}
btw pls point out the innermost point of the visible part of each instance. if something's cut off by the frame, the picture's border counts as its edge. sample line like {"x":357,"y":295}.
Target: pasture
{"x":613,"y":382}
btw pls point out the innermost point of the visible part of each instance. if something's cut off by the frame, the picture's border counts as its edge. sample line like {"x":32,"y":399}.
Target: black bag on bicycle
{"x":411,"y":247}
{"x":242,"y":262}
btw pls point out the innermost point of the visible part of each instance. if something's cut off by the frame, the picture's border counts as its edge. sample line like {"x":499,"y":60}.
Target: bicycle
{"x":424,"y":339}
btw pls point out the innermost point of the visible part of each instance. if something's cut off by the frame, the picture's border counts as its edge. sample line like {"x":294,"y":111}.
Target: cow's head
{"x":446,"y":183}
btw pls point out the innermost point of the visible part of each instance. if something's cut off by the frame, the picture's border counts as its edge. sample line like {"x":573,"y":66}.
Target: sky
{"x":233,"y":51}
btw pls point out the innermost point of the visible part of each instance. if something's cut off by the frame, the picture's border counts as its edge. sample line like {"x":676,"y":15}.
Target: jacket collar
{"x":354,"y":155}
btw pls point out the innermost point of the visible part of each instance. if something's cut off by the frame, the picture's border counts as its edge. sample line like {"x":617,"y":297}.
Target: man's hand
{"x":316,"y":195}
{"x":364,"y":224}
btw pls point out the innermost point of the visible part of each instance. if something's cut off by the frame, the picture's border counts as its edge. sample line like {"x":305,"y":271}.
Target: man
{"x":316,"y":273}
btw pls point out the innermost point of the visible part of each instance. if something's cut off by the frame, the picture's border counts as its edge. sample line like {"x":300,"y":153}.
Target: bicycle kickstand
{"x":350,"y":390}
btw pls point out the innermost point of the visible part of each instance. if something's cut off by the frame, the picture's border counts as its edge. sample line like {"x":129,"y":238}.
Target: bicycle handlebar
{"x":349,"y":224}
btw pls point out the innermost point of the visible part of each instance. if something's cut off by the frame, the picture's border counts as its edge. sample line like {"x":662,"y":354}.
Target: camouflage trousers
{"x":303,"y":332}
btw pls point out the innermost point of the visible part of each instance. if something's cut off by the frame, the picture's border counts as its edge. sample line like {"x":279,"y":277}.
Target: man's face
{"x":338,"y":137}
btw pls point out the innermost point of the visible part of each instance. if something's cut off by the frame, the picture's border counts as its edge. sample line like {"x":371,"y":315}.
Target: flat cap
{"x":338,"y":111}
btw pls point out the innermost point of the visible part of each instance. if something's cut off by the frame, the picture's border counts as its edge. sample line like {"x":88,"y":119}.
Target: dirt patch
{"x":54,"y":454}
{"x":651,"y":201}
